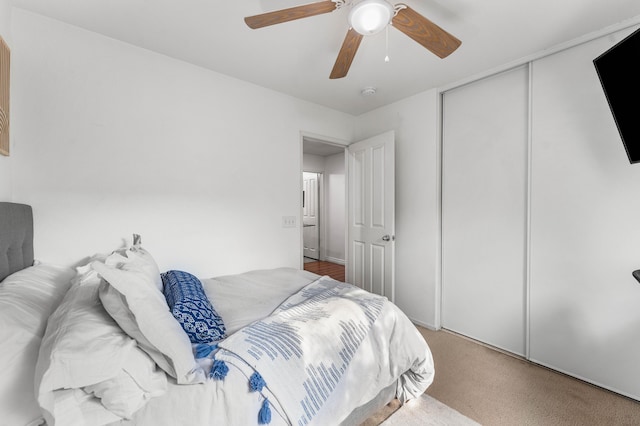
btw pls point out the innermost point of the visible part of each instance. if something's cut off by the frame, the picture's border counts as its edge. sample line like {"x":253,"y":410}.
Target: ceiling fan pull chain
{"x":386,"y":58}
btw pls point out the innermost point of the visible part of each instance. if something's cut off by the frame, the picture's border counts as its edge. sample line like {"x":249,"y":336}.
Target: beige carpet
{"x":494,"y":388}
{"x":427,"y":411}
{"x":497,"y":389}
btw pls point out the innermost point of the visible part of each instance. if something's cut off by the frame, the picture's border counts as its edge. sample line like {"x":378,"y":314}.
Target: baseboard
{"x":424,"y":324}
{"x":335,"y":260}
{"x":634,"y":398}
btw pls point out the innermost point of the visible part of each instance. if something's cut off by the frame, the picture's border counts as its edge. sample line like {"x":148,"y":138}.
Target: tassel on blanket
{"x":219,"y":370}
{"x":203,"y":350}
{"x":256,"y":382}
{"x":264,"y":416}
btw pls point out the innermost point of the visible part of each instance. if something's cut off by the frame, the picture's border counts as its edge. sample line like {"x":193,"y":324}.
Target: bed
{"x":116,"y":341}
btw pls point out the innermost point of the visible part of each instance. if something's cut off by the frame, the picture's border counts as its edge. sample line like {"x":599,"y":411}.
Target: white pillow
{"x":84,"y":346}
{"x":27,"y":298}
{"x":138,"y":259}
{"x":132,"y":296}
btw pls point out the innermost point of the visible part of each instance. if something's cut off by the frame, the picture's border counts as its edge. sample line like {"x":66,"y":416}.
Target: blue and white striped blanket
{"x":304,"y":350}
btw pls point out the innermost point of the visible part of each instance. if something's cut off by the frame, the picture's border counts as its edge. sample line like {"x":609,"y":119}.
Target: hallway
{"x":319,"y":267}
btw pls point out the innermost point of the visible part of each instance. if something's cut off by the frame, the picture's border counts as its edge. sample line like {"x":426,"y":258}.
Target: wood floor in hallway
{"x":334,"y":270}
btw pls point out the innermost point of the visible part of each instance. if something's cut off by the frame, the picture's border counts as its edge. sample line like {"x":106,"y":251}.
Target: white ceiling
{"x":296,"y":57}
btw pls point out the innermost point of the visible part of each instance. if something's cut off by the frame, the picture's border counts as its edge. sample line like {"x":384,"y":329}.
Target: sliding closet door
{"x":585,"y":235}
{"x":484,"y":206}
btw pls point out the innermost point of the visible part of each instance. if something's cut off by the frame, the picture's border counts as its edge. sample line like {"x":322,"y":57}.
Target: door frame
{"x":334,"y":142}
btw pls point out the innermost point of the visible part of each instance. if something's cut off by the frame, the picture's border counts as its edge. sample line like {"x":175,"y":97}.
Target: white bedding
{"x":240,"y":299}
{"x":27,"y":298}
{"x":325,"y":352}
{"x":390,"y":351}
{"x":83,"y":353}
{"x":244,"y":298}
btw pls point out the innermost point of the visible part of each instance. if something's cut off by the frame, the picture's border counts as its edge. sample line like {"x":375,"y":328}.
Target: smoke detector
{"x":368,"y":91}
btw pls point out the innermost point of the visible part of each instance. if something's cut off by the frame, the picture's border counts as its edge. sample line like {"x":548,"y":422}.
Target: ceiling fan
{"x":366,"y":17}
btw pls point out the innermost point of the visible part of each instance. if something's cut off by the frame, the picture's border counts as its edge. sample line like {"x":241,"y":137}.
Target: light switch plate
{"x":288,"y":221}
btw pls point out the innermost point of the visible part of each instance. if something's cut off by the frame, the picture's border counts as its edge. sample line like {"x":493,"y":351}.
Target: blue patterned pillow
{"x":191,"y":307}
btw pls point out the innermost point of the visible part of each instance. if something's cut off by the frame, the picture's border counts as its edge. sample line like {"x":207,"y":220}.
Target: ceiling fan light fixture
{"x":370,"y":16}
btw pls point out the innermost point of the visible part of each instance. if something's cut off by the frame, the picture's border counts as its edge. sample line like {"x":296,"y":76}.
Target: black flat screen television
{"x":619,"y":71}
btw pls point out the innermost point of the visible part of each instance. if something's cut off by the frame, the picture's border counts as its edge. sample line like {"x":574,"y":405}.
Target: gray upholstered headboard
{"x":16,"y":238}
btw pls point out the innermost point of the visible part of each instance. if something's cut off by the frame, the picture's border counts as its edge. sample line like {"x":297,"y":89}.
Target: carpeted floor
{"x":494,"y":388}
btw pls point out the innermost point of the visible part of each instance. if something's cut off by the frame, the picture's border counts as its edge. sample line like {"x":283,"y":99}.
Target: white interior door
{"x":310,"y":219}
{"x":371,"y":228}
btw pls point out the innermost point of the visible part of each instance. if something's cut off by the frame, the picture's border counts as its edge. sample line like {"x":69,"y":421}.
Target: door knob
{"x":387,"y":238}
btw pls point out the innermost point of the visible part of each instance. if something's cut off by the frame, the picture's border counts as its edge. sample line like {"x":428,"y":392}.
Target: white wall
{"x":415,"y":123}
{"x":111,"y":139}
{"x":5,"y":162}
{"x":5,"y":18}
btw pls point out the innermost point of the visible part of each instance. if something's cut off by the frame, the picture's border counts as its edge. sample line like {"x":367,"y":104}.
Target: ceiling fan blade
{"x":291,"y":14}
{"x":425,"y":32}
{"x":347,"y":53}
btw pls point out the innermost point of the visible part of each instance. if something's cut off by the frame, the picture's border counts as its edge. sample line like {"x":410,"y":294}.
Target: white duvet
{"x":391,"y":351}
{"x":325,"y":352}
